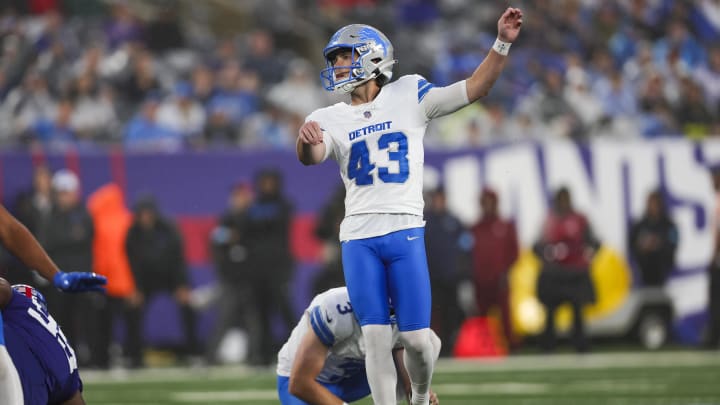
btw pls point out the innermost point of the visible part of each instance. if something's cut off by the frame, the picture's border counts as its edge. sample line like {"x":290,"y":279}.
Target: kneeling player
{"x":45,"y":362}
{"x":323,"y":361}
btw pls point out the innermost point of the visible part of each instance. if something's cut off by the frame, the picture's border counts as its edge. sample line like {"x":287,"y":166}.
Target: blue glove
{"x":79,"y":282}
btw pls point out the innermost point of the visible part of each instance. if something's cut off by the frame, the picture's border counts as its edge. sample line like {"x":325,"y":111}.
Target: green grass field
{"x":677,"y":378}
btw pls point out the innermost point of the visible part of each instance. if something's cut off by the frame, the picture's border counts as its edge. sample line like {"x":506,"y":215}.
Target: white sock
{"x":379,"y":364}
{"x":420,"y":355}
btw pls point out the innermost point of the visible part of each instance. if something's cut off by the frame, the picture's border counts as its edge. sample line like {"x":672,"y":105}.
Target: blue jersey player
{"x":45,"y":361}
{"x":377,"y":140}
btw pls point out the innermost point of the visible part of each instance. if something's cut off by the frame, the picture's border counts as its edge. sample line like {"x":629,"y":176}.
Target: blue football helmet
{"x":372,"y":57}
{"x":31,"y":292}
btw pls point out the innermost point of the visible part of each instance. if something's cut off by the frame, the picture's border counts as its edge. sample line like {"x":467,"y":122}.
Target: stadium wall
{"x":609,"y":182}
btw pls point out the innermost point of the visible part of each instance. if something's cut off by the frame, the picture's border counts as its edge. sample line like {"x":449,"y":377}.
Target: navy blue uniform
{"x":45,"y":361}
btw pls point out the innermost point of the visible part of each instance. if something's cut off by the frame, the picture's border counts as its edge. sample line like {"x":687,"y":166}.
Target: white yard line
{"x":582,"y":361}
{"x":449,"y":390}
{"x":511,"y":363}
{"x":225,"y":396}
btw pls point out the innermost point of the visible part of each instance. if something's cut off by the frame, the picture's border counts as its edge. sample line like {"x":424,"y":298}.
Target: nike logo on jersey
{"x":327,"y":318}
{"x":413,"y":237}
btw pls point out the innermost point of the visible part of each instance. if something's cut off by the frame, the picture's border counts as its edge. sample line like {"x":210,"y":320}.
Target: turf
{"x":680,"y":377}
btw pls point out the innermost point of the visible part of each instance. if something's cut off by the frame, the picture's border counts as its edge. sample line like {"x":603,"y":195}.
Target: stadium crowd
{"x":153,"y":75}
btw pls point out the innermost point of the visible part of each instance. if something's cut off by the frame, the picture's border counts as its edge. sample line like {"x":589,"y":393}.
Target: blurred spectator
{"x":547,"y":103}
{"x":417,"y":12}
{"x":327,"y":229}
{"x":202,"y":84}
{"x":182,"y":114}
{"x":299,"y":80}
{"x":653,"y":241}
{"x":56,"y":132}
{"x":693,"y":114}
{"x":495,"y":250}
{"x":229,"y":245}
{"x":219,"y":130}
{"x":236,"y":95}
{"x":466,"y":127}
{"x":141,"y":81}
{"x":164,"y":33}
{"x":156,"y":255}
{"x":262,"y":58}
{"x":678,"y":39}
{"x":617,"y":43}
{"x":712,"y":333}
{"x":93,"y":117}
{"x":616,"y":96}
{"x":111,"y":221}
{"x":656,"y":111}
{"x":269,"y":258}
{"x":145,"y":132}
{"x":709,"y":78}
{"x":577,"y":93}
{"x":32,"y":208}
{"x":54,"y":64}
{"x":30,"y":103}
{"x":271,"y":128}
{"x":565,"y":249}
{"x":123,"y":26}
{"x":68,"y":240}
{"x":445,"y":241}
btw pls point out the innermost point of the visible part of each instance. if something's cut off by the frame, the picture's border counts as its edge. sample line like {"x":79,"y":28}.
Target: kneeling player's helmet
{"x":31,"y":292}
{"x":372,"y":57}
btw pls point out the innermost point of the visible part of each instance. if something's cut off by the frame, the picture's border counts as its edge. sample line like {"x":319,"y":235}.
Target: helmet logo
{"x":371,"y":35}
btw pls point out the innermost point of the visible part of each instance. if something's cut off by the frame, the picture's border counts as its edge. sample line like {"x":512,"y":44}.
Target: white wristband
{"x":501,"y":47}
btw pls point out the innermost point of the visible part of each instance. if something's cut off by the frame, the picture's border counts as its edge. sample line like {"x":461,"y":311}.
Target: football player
{"x":323,"y":361}
{"x":46,"y":363}
{"x":16,"y":238}
{"x":377,"y":140}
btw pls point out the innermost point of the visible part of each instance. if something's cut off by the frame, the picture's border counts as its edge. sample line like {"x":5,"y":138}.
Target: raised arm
{"x":310,"y":147}
{"x":483,"y":78}
{"x":21,"y":243}
{"x":309,"y":361}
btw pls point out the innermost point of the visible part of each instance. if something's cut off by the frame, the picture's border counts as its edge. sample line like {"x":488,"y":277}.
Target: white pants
{"x":10,"y":389}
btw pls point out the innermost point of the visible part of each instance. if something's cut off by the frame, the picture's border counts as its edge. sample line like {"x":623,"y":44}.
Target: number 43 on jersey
{"x":360,"y":168}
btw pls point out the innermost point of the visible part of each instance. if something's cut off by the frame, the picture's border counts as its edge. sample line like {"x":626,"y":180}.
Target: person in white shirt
{"x":377,"y":140}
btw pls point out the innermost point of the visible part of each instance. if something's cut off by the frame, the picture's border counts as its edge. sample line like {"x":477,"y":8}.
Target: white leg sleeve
{"x":421,"y":351}
{"x":10,"y":389}
{"x":379,"y":363}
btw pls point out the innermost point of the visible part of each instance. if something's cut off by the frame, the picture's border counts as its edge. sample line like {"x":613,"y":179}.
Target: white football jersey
{"x":330,"y":316}
{"x":379,"y":145}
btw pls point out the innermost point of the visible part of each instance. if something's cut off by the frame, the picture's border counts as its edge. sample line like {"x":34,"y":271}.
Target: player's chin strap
{"x":350,"y":86}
